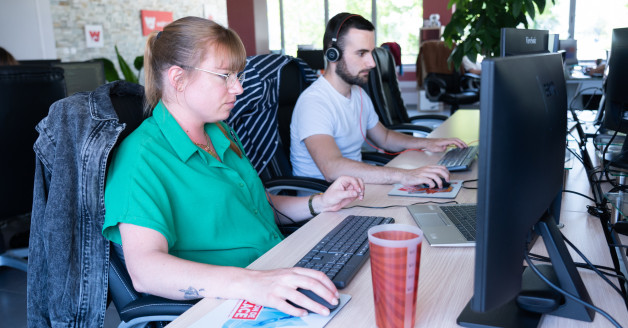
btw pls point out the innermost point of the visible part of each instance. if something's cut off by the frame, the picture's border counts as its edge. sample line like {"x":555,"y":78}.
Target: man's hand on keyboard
{"x":439,"y":145}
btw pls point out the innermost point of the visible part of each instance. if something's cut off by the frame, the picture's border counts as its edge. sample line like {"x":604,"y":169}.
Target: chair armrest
{"x":470,"y":82}
{"x":435,"y":87}
{"x":152,"y":308}
{"x":416,"y":130}
{"x":276,"y":185}
{"x":375,"y":158}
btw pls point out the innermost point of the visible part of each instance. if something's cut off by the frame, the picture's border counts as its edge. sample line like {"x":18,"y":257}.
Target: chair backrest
{"x":26,"y":93}
{"x":291,"y":83}
{"x":386,"y":93}
{"x":433,"y":58}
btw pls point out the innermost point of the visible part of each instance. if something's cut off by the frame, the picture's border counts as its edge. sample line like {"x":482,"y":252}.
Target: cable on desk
{"x":579,"y":194}
{"x":401,"y":205}
{"x":582,"y":265}
{"x":564,"y":292}
{"x":595,"y":269}
{"x":465,"y":181}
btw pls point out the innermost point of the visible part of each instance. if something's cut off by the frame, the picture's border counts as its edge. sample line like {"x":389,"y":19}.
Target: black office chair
{"x":26,"y":93}
{"x":441,"y":81}
{"x":383,"y":88}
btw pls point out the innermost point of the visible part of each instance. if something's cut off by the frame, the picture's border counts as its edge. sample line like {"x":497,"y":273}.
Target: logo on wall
{"x":154,"y":20}
{"x":94,"y":36}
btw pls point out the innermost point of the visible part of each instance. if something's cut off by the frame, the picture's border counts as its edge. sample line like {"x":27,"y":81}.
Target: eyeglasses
{"x":230,"y":78}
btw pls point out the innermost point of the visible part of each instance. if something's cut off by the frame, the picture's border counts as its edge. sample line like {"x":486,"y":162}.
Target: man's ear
{"x":176,"y":77}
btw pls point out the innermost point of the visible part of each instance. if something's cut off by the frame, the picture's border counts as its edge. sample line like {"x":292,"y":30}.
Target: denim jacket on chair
{"x":68,"y":256}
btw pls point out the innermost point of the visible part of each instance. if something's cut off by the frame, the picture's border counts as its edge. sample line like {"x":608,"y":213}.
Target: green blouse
{"x":209,"y":211}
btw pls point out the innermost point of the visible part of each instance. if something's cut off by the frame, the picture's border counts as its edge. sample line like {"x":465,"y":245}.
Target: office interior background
{"x":54,"y":29}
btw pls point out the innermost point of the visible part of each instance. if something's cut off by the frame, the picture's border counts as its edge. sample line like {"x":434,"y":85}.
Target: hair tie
{"x":158,"y":35}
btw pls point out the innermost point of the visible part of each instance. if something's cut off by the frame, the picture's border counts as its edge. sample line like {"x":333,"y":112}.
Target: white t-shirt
{"x":321,"y":109}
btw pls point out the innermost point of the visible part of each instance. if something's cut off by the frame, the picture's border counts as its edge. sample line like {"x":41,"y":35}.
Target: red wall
{"x":241,"y":18}
{"x":437,"y":7}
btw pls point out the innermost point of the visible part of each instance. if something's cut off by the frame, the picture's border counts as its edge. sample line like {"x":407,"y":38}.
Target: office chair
{"x":383,"y":88}
{"x":441,"y":81}
{"x":26,"y":93}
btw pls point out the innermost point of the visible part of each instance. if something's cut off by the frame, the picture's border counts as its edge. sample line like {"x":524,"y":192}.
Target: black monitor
{"x":314,"y":58}
{"x":39,"y":62}
{"x":82,"y":76}
{"x":570,"y":47}
{"x":615,"y":95}
{"x":516,"y":41}
{"x":523,"y":124}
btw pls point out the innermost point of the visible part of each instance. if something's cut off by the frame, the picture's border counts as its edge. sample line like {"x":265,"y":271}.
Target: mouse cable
{"x":401,"y":205}
{"x":583,"y":265}
{"x":270,"y":201}
{"x":595,"y":269}
{"x":579,"y":194}
{"x":569,"y":295}
{"x":465,"y":181}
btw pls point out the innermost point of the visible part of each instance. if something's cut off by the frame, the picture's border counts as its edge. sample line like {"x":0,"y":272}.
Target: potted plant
{"x":111,"y":74}
{"x":475,"y":26}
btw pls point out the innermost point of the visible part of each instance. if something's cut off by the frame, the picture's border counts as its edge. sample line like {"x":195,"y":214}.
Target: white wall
{"x":26,"y":29}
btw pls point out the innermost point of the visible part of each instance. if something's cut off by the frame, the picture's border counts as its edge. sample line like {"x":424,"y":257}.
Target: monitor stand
{"x":567,"y":276}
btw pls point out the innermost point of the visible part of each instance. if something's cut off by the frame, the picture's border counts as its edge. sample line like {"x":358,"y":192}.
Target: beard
{"x":343,"y":72}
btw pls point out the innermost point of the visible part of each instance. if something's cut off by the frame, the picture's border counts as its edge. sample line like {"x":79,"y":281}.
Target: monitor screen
{"x":312,"y":57}
{"x":516,"y":41}
{"x":615,"y":95}
{"x":39,"y":62}
{"x":523,"y":124}
{"x":570,"y":46}
{"x":82,"y":76}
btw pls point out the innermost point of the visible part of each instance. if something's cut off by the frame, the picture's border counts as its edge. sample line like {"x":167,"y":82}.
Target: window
{"x":594,"y":22}
{"x":396,"y":21}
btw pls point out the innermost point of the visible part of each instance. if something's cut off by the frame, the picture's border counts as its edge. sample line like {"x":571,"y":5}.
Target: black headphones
{"x":333,"y":53}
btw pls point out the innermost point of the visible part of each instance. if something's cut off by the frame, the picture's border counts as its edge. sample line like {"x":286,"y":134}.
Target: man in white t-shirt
{"x":334,"y":115}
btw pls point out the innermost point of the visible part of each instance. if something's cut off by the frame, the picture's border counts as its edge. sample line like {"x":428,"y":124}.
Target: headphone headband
{"x":333,"y":53}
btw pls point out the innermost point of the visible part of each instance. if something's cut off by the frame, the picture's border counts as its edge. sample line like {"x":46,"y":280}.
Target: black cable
{"x":564,"y":292}
{"x":465,"y":181}
{"x":593,"y":267}
{"x":400,"y":205}
{"x":579,"y":194}
{"x":582,"y":265}
{"x":281,"y":224}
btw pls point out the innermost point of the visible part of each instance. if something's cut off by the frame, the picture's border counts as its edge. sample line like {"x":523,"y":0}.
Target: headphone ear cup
{"x":332,"y":54}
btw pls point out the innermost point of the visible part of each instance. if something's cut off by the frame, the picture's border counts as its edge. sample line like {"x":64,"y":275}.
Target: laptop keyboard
{"x":463,"y":217}
{"x":343,"y":251}
{"x":459,"y":159}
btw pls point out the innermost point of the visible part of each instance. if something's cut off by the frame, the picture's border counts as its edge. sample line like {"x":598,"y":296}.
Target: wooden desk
{"x":446,"y":274}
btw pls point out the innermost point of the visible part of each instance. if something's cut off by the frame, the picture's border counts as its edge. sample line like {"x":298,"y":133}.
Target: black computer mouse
{"x":313,"y":296}
{"x":444,"y":182}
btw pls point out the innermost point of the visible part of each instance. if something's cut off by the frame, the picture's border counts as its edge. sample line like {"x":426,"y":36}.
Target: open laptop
{"x":446,"y":225}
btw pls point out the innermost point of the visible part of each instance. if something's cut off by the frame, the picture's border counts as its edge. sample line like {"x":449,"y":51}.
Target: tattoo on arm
{"x":191,"y":293}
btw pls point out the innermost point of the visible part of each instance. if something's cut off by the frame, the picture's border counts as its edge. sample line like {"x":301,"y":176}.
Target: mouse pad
{"x":243,"y":314}
{"x":418,"y":191}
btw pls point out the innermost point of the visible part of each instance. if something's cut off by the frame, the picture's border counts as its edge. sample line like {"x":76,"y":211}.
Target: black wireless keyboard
{"x":459,"y":159}
{"x":343,"y":251}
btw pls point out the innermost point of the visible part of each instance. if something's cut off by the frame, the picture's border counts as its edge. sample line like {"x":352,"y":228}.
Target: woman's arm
{"x":156,"y":272}
{"x":342,"y":192}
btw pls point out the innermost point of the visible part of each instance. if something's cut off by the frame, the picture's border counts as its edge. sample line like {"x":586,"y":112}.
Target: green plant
{"x":111,"y":74}
{"x":476,"y":24}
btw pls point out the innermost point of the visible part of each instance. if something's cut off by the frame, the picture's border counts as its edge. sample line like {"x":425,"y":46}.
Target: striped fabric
{"x":254,"y":116}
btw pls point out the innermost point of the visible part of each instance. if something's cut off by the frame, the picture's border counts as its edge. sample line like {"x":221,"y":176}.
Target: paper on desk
{"x":242,"y":314}
{"x":416,"y":191}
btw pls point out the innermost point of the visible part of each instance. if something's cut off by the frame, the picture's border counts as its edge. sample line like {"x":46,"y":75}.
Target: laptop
{"x":450,"y":225}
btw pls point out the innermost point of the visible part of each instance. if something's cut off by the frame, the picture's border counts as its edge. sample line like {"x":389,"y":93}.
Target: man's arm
{"x":332,"y":164}
{"x":395,"y":141}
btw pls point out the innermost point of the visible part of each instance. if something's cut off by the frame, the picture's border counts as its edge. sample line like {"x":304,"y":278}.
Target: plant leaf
{"x":111,"y":74}
{"x":139,"y":62}
{"x":124,"y":67}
